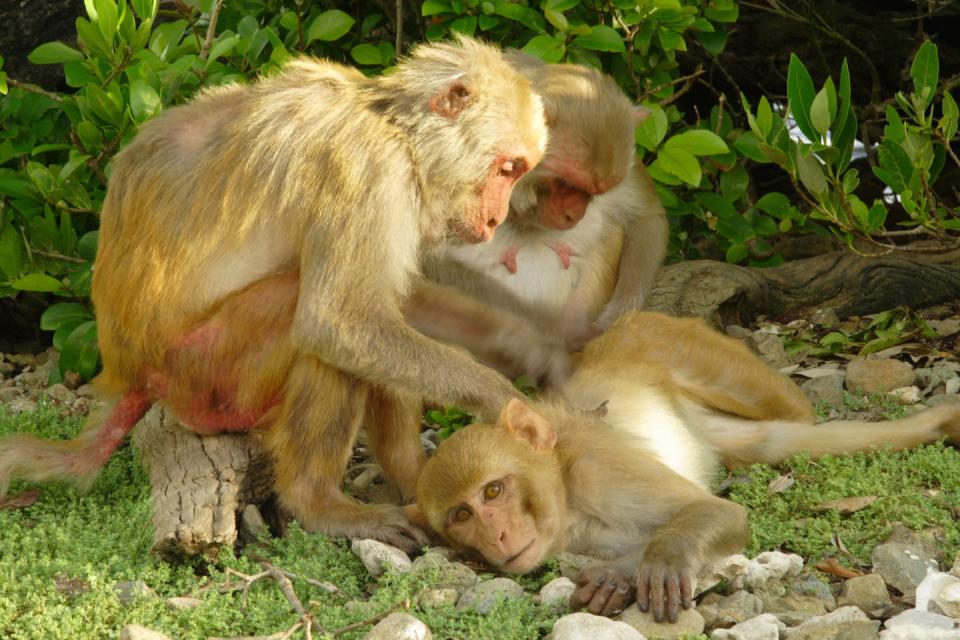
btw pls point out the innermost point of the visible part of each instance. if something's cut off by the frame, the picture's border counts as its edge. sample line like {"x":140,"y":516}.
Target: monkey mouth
{"x":517,"y":555}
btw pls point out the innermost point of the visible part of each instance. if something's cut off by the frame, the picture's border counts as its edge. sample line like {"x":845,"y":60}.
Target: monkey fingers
{"x":662,"y":589}
{"x":602,"y":590}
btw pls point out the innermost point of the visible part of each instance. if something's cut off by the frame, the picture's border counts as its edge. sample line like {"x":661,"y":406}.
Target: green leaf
{"x":466,"y":25}
{"x":734,"y":183}
{"x":329,"y":26}
{"x":601,"y":38}
{"x":87,"y":245}
{"x":366,"y":54}
{"x":775,"y":204}
{"x":736,"y":253}
{"x":11,"y":253}
{"x":925,"y":72}
{"x":519,"y":13}
{"x":547,"y":48}
{"x":221,"y":47}
{"x":800,"y":95}
{"x":107,"y":18}
{"x":80,"y":351}
{"x":39,"y":282}
{"x":820,"y":113}
{"x":144,"y":101}
{"x":851,"y":180}
{"x":661,"y":175}
{"x":62,"y":332}
{"x":951,"y":115}
{"x":670,"y":40}
{"x":166,"y":37}
{"x":764,"y":117}
{"x":714,"y":42}
{"x":896,"y":169}
{"x":681,"y":164}
{"x":561,"y":5}
{"x":557,"y":19}
{"x":843,"y":99}
{"x":435,"y":7}
{"x":3,"y":83}
{"x":56,"y":315}
{"x":54,"y":53}
{"x":698,"y":142}
{"x":652,"y":130}
{"x":146,"y":9}
{"x":810,"y":172}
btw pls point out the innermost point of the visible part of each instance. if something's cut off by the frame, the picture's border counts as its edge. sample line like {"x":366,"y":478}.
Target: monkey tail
{"x":740,"y":441}
{"x":78,"y":460}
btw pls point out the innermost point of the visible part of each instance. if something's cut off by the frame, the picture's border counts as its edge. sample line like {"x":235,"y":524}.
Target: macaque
{"x":633,"y":487}
{"x":586,"y":232}
{"x":255,"y":246}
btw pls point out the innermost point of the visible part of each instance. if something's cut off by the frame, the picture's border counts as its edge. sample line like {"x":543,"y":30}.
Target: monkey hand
{"x":603,"y":590}
{"x":664,"y":582}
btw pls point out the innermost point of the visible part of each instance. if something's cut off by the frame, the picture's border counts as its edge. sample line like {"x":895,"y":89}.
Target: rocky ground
{"x":902,"y":360}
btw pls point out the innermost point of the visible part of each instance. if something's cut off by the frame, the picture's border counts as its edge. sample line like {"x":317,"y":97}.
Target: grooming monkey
{"x":255,"y":245}
{"x":633,"y":487}
{"x":586,"y":232}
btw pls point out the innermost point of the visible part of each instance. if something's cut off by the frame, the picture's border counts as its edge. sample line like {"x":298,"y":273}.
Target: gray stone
{"x":914,"y":624}
{"x":868,"y":593}
{"x":878,"y":376}
{"x":183,"y":604}
{"x":827,"y":390}
{"x":736,"y":331}
{"x":399,"y":626}
{"x":136,"y":632}
{"x":579,"y":626}
{"x":22,"y":405}
{"x":810,"y":585}
{"x":129,"y":590}
{"x":556,"y":593}
{"x":61,"y":394}
{"x":826,"y":317}
{"x":439,"y":597}
{"x":86,"y":391}
{"x":762,"y":627}
{"x":902,"y":566}
{"x":688,"y":623}
{"x":10,"y":393}
{"x":447,"y":574}
{"x":379,"y":557}
{"x":846,"y":623}
{"x":943,"y":399}
{"x":252,"y":525}
{"x":770,"y":348}
{"x":484,"y":597}
{"x":926,"y":540}
{"x":792,"y":609}
{"x":719,"y":611}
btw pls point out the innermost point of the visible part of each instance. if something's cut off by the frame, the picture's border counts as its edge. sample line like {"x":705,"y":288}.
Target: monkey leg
{"x":310,"y":442}
{"x":78,"y":460}
{"x":393,"y":430}
{"x":707,"y":366}
{"x":742,"y":442}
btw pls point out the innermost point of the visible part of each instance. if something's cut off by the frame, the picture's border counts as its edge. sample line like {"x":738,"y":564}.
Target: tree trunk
{"x":200,"y":483}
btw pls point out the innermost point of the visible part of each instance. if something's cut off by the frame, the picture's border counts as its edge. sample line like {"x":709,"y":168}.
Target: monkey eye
{"x":461,"y":515}
{"x":492,"y":490}
{"x":513,"y":168}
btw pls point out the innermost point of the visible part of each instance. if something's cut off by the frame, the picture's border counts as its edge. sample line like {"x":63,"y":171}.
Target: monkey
{"x":254,"y":251}
{"x":633,"y":487}
{"x":586,"y":232}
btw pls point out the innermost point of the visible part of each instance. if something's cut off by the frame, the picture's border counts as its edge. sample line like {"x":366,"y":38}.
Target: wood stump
{"x":200,"y":483}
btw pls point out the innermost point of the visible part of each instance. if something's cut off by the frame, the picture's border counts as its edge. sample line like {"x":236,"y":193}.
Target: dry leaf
{"x":781,"y":484}
{"x":831,"y":369}
{"x":21,"y":500}
{"x":846,"y":506}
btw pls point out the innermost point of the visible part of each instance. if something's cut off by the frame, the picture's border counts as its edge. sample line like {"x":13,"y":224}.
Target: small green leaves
{"x":601,"y":38}
{"x":54,"y":53}
{"x":547,"y":48}
{"x":800,"y":95}
{"x":698,"y":142}
{"x":144,"y":101}
{"x":925,"y":72}
{"x":39,"y":282}
{"x":330,"y":25}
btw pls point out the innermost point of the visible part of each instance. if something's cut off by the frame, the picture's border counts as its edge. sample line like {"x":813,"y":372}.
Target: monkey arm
{"x":644,"y":249}
{"x":501,"y":337}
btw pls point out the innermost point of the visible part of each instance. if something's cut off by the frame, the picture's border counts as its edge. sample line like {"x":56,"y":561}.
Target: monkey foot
{"x":564,"y":251}
{"x":509,"y":258}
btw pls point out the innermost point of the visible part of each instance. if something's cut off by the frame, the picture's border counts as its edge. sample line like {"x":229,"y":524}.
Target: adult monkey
{"x":633,"y":487}
{"x":254,"y":246}
{"x":586,"y":232}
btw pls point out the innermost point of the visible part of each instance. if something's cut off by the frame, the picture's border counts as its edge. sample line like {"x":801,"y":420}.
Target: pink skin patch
{"x":125,"y":415}
{"x":495,"y":196}
{"x":509,"y":258}
{"x":564,"y":251}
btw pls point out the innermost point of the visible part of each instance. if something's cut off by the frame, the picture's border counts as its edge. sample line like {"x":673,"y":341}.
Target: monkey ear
{"x":450,"y":101}
{"x":528,"y":425}
{"x":640,"y":114}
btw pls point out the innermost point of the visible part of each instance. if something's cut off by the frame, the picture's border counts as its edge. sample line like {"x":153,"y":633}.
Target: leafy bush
{"x":132,"y":60}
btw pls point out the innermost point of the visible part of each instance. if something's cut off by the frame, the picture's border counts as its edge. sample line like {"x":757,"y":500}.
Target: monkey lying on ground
{"x":633,"y":487}
{"x":254,"y":247}
{"x":586,"y":232}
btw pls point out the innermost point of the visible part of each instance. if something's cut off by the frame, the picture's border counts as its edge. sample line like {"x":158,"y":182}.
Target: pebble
{"x":878,"y":375}
{"x":766,"y":626}
{"x":439,"y":598}
{"x":902,"y":566}
{"x":557,"y":592}
{"x":484,"y":597}
{"x":868,"y":593}
{"x":399,"y":626}
{"x":720,"y":611}
{"x":379,"y":557}
{"x":939,"y":593}
{"x":914,"y":624}
{"x":22,"y":405}
{"x":826,"y":390}
{"x":183,"y":604}
{"x":61,"y":394}
{"x":580,"y":626}
{"x":690,"y":622}
{"x":129,"y":590}
{"x":447,"y":574}
{"x":137,"y":632}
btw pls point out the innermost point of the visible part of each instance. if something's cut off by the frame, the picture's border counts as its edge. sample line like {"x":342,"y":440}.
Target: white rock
{"x":840,"y":614}
{"x":182,"y":603}
{"x":578,"y":626}
{"x":399,"y":626}
{"x":742,"y":572}
{"x":557,"y":592}
{"x":379,"y":557}
{"x":906,"y":395}
{"x":914,"y":624}
{"x":941,"y":589}
{"x":766,"y":626}
{"x":136,"y":632}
